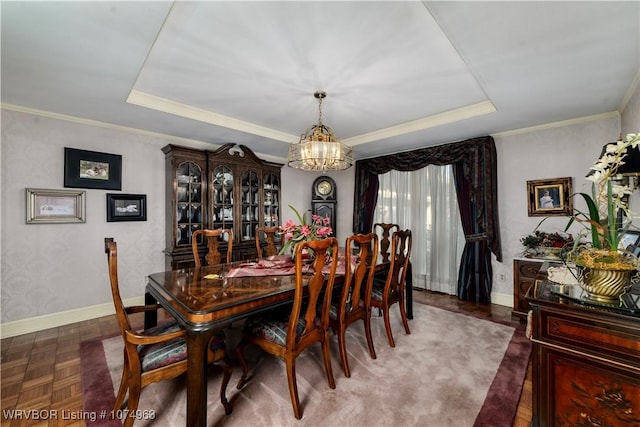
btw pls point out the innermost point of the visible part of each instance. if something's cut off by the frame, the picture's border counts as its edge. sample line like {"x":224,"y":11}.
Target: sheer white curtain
{"x":424,"y":201}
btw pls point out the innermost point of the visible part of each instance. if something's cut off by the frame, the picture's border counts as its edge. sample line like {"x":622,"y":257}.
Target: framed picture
{"x":91,"y":169}
{"x":629,"y":238}
{"x":55,"y":206}
{"x":550,"y":197}
{"x":126,"y":207}
{"x":635,"y":250}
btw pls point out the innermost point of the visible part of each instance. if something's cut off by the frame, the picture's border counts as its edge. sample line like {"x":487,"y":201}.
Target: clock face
{"x":324,"y":187}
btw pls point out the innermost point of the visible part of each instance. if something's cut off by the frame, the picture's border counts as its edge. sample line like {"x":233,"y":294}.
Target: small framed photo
{"x":55,"y":206}
{"x":126,"y":207}
{"x":629,"y":238}
{"x":92,"y":169}
{"x":635,"y":250}
{"x":550,"y":197}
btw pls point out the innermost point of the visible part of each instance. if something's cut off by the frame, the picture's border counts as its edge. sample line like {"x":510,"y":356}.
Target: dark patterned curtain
{"x":475,"y":171}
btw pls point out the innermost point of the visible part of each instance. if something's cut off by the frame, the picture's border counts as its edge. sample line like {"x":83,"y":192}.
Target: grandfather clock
{"x":324,"y":198}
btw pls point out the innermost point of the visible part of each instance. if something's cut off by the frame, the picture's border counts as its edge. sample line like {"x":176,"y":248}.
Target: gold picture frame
{"x":55,"y":206}
{"x":550,"y":197}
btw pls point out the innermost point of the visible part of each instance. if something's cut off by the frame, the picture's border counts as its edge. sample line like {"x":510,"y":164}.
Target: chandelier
{"x":318,"y":148}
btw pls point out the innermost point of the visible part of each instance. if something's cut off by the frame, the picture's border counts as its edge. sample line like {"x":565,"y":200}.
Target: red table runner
{"x":277,"y":265}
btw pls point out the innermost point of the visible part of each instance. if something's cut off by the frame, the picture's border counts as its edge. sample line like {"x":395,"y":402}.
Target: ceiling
{"x":399,"y":75}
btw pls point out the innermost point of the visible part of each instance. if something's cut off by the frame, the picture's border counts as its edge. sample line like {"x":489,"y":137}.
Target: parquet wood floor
{"x":40,"y":371}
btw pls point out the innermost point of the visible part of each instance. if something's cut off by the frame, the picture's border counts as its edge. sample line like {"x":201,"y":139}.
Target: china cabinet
{"x":227,"y":188}
{"x":586,"y":358}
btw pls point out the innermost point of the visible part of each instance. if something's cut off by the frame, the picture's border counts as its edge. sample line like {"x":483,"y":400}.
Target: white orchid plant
{"x":607,"y":198}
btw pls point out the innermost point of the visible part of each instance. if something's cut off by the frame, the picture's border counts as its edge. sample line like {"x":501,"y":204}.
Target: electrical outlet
{"x":502,"y":277}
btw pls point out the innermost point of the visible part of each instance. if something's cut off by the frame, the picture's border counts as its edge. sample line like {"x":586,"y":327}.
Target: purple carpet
{"x":452,"y":370}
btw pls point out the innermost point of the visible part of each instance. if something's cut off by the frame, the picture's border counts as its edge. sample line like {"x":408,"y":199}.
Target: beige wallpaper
{"x":47,"y":268}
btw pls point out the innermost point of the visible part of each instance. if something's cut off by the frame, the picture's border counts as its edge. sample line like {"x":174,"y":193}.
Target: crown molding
{"x":629,"y":94}
{"x":554,"y":125}
{"x":440,"y":119}
{"x":183,"y":110}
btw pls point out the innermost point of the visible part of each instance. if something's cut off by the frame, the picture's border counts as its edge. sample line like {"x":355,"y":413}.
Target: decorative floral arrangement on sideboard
{"x":546,"y":244}
{"x":609,"y":195}
{"x":317,"y":228}
{"x":604,"y":270}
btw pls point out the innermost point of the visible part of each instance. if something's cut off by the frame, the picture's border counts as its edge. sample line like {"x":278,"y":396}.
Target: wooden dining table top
{"x":213,"y":293}
{"x":206,"y":295}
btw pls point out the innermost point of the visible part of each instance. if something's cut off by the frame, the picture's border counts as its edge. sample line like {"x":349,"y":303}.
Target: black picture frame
{"x":550,"y":197}
{"x":126,"y":207}
{"x":635,"y":250}
{"x":92,"y":169}
{"x":629,"y":238}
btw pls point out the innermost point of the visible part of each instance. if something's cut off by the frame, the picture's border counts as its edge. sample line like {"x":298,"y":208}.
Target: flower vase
{"x":605,"y":274}
{"x":306,"y":254}
{"x":604,"y":285}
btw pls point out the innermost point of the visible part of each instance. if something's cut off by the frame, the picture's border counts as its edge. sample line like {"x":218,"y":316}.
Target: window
{"x":425,"y":202}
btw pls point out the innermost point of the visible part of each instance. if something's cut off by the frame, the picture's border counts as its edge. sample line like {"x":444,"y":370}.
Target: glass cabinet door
{"x":222,"y":198}
{"x":271,"y":194}
{"x":188,"y":201}
{"x":250,"y":209}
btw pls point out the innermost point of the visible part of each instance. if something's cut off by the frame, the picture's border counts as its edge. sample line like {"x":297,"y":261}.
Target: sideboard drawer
{"x":604,"y":338}
{"x":525,"y":274}
{"x":528,"y":269}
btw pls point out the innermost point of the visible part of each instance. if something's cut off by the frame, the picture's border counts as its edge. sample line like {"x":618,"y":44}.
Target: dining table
{"x":210,"y":298}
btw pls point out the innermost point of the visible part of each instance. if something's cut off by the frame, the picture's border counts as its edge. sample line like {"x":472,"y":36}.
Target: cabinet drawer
{"x":606,"y":339}
{"x":528,"y":269}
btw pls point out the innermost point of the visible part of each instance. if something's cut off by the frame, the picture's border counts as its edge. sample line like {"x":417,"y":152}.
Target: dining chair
{"x":391,"y":291}
{"x":386,"y":231}
{"x":212,"y":240}
{"x":353,"y":302}
{"x":157,"y":353}
{"x":286,"y":334}
{"x":267,"y":246}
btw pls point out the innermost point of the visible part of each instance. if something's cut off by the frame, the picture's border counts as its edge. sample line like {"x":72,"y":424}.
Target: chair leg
{"x":245,"y":368}
{"x":290,"y":361}
{"x":367,"y":332}
{"x":326,"y":355}
{"x":124,"y":387}
{"x":132,"y":406}
{"x":387,"y":326}
{"x":403,"y":315}
{"x":343,"y":351}
{"x":228,"y":370}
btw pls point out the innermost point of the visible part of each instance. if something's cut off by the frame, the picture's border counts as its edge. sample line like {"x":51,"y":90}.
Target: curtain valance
{"x":476,"y":160}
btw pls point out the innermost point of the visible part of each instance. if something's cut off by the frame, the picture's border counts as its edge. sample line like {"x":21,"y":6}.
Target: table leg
{"x":197,"y":348}
{"x":150,"y":317}
{"x":408,"y":288}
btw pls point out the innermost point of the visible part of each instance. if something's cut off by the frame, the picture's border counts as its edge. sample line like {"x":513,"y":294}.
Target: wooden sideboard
{"x":525,"y":273}
{"x":586,"y":359}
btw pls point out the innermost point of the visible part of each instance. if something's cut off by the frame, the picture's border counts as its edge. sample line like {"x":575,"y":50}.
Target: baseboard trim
{"x":502,"y":299}
{"x":47,"y":321}
{"x":53,"y":320}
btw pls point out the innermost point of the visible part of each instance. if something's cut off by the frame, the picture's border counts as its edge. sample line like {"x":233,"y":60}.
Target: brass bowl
{"x":605,"y":285}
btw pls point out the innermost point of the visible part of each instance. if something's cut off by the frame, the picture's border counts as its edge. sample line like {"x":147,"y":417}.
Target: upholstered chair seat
{"x":154,"y":356}
{"x":272,"y":329}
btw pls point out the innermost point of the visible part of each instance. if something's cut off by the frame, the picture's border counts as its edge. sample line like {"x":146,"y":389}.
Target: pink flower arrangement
{"x":294,"y":233}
